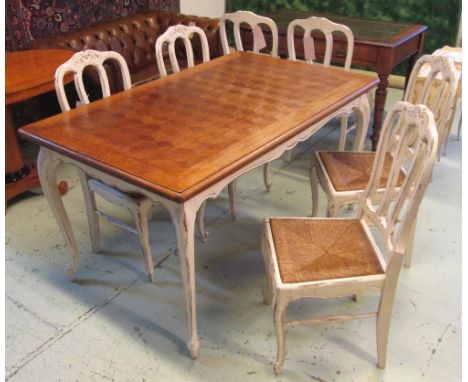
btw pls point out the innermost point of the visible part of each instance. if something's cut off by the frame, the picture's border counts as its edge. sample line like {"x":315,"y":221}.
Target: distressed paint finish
{"x":139,"y":207}
{"x":441,"y":71}
{"x":394,"y":217}
{"x":185,"y":33}
{"x":242,"y":147}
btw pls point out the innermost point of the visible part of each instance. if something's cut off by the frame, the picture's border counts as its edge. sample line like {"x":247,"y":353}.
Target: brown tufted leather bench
{"x":134,"y":37}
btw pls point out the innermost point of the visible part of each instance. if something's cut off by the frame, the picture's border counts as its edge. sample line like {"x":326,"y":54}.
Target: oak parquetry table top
{"x":178,"y":135}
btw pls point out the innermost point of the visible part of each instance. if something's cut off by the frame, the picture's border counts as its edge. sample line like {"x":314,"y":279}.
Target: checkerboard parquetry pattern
{"x":178,"y":132}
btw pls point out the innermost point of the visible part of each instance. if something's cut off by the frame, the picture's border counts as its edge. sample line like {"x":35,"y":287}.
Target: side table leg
{"x":412,"y":60}
{"x":380,"y":98}
{"x":47,"y":167}
{"x":183,"y":217}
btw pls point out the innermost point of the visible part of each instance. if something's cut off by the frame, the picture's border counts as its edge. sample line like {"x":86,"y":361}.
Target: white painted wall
{"x":208,"y":8}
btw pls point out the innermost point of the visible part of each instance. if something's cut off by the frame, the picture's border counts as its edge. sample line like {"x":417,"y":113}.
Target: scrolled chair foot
{"x":193,"y":347}
{"x":278,"y":368}
{"x":204,"y":236}
{"x":71,"y":274}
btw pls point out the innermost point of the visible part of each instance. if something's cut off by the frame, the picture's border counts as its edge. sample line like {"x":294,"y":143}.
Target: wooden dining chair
{"x":259,"y":42}
{"x":139,"y":206}
{"x":328,"y":28}
{"x":254,"y":21}
{"x":336,"y":257}
{"x":168,"y":39}
{"x":344,"y":175}
{"x":427,"y":85}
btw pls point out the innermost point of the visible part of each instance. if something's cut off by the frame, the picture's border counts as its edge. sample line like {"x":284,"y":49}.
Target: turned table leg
{"x":19,"y":176}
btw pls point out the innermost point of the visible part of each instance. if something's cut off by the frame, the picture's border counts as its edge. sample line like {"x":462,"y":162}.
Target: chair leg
{"x":288,"y":155}
{"x":343,"y":132}
{"x":409,"y":246}
{"x":268,"y":293}
{"x":266,"y":176}
{"x":357,"y":297}
{"x":201,"y":223}
{"x":333,"y":210}
{"x":232,"y":189}
{"x":459,"y":121}
{"x":90,"y":206}
{"x":314,"y":188}
{"x":141,"y":216}
{"x":279,"y":310}
{"x":385,"y":309}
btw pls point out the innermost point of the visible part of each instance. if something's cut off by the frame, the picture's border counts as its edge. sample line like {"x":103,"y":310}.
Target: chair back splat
{"x":325,"y":26}
{"x":185,"y":33}
{"x":78,"y":63}
{"x":433,"y":82}
{"x":411,"y":139}
{"x":254,"y":21}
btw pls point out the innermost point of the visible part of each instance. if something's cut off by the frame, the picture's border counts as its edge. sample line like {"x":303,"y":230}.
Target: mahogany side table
{"x":27,"y":74}
{"x":379,"y":45}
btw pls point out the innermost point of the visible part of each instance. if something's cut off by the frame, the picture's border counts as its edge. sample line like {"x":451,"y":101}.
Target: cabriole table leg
{"x":47,"y":169}
{"x":183,"y":218}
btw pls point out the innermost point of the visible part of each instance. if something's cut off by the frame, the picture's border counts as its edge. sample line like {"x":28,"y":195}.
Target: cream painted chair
{"x":335,"y":257}
{"x":169,"y":37}
{"x":254,"y":21}
{"x":326,"y":27}
{"x":455,"y":55}
{"x":139,"y":206}
{"x":344,"y":175}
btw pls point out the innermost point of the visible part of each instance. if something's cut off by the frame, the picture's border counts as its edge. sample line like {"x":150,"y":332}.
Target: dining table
{"x":182,"y":139}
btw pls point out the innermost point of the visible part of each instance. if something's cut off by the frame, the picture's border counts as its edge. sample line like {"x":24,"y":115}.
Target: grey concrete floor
{"x":111,"y":324}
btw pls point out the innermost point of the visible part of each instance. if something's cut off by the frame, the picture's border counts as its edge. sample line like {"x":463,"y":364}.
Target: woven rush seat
{"x":350,"y":171}
{"x":322,"y":249}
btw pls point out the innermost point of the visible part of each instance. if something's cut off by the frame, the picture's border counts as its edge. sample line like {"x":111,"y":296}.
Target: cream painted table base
{"x":183,"y":214}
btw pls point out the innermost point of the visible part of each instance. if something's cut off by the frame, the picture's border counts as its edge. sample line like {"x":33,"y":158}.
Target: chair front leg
{"x":314,"y":182}
{"x":333,"y":209}
{"x":141,"y":214}
{"x":343,"y":132}
{"x":91,"y":214}
{"x":268,"y":293}
{"x":266,"y":176}
{"x":232,"y":189}
{"x":279,"y":311}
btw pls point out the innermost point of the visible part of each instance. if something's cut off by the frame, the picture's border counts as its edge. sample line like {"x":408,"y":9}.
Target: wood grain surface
{"x":31,"y":72}
{"x":181,"y":134}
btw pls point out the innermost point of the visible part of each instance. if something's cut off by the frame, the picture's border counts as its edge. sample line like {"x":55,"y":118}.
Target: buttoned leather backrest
{"x":133,"y":37}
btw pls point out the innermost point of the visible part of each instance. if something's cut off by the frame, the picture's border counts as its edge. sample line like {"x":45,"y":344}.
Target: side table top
{"x":369,"y":30}
{"x":29,"y":73}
